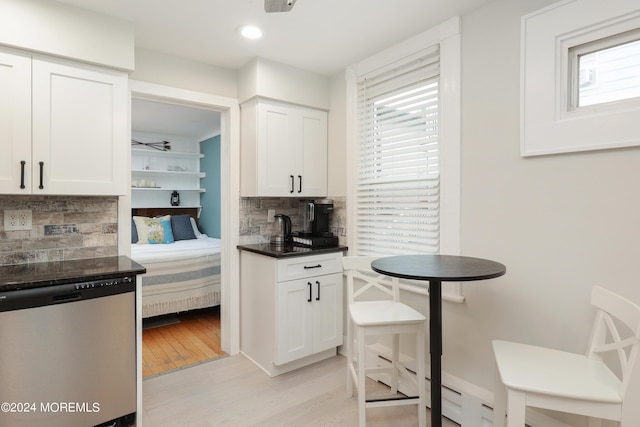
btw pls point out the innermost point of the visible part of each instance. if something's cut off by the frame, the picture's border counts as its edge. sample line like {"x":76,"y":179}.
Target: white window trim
{"x":573,"y":65}
{"x":547,"y":123}
{"x":447,"y":35}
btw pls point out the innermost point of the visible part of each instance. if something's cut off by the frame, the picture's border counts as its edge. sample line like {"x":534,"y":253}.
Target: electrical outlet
{"x":15,"y":220}
{"x":270,"y":214}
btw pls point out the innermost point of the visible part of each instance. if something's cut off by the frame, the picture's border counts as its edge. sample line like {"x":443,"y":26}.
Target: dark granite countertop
{"x":35,"y":275}
{"x":288,"y":250}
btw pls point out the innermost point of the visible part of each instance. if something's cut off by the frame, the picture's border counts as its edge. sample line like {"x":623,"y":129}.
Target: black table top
{"x":449,"y":268}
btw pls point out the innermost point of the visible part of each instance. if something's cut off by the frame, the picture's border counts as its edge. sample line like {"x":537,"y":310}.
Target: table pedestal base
{"x":435,"y":344}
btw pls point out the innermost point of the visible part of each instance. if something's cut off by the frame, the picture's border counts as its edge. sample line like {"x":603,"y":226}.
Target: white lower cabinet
{"x":307,"y":317}
{"x":291,"y":309}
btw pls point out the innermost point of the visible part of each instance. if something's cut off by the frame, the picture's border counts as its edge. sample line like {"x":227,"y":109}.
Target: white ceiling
{"x":169,"y":119}
{"x":322,"y":36}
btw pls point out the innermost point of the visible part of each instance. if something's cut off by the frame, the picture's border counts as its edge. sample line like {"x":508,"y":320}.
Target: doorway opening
{"x":192,"y":107}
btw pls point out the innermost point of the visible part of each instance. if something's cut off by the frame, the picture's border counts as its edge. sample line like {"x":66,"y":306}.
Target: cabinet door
{"x":15,"y":123}
{"x":314,"y":141}
{"x":79,"y":130}
{"x":279,"y":151}
{"x":327,"y":312}
{"x":294,"y":320}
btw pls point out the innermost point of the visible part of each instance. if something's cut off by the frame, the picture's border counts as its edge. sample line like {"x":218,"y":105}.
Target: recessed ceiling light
{"x":250,"y":32}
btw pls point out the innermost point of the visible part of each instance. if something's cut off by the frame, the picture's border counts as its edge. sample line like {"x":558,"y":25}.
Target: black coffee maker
{"x":315,"y":216}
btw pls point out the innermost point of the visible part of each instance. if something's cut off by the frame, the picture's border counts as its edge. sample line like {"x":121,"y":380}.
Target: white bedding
{"x":184,"y":275}
{"x":180,"y":249}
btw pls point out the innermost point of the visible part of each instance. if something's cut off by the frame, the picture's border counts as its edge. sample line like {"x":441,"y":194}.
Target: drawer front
{"x":309,"y":266}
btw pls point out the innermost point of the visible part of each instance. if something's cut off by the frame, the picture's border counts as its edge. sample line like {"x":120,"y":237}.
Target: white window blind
{"x":398,"y":157}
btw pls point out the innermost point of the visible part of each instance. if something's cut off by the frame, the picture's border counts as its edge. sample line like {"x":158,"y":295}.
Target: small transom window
{"x":606,"y":70}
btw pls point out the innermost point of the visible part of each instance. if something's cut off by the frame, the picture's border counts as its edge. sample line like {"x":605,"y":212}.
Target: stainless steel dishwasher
{"x":68,"y":355}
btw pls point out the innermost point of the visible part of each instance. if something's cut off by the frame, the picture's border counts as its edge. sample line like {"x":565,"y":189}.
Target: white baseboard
{"x":463,"y":402}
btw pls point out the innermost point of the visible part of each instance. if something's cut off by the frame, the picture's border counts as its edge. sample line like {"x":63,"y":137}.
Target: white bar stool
{"x":575,"y":383}
{"x":381,"y":317}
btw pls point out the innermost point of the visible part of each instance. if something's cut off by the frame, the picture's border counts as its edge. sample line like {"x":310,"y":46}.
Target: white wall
{"x":337,"y":144}
{"x":167,"y":70}
{"x":265,"y":78}
{"x":560,"y":223}
{"x":66,"y":31}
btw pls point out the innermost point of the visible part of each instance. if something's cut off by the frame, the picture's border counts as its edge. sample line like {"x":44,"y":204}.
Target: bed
{"x":183,"y":273}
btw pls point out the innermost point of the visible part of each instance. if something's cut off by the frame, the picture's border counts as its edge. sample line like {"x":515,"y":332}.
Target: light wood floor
{"x":195,"y":339}
{"x":232,"y":391}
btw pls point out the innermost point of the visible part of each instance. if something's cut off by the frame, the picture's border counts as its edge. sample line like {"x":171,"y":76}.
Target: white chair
{"x":381,"y":317}
{"x":574,"y":383}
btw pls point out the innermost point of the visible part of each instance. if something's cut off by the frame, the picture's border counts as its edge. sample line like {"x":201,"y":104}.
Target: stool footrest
{"x":384,"y":399}
{"x":391,"y":401}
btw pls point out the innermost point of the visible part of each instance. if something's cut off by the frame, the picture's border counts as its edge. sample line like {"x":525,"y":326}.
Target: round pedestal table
{"x":433,"y":270}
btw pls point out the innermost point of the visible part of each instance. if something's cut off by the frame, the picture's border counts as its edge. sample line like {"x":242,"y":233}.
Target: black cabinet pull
{"x":318,"y":297}
{"x":22,"y":163}
{"x":41,"y":175}
{"x":306,"y":267}
{"x":292,"y":184}
{"x":300,"y":184}
{"x":310,"y":291}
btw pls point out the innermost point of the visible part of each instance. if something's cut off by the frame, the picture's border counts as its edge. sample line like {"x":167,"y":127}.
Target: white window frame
{"x":447,"y":35}
{"x":548,"y":123}
{"x":575,"y":54}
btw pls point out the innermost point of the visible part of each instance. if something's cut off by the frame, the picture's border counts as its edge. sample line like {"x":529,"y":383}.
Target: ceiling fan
{"x":271,"y":6}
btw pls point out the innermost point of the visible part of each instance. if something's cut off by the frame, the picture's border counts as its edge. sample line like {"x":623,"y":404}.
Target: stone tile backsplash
{"x":64,"y":228}
{"x":254,"y":225}
{"x":78,"y":227}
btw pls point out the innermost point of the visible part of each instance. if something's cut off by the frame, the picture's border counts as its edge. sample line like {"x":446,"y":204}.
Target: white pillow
{"x":195,"y":228}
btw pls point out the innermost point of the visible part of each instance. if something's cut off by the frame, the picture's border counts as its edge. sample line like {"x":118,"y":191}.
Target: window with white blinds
{"x":397,"y":181}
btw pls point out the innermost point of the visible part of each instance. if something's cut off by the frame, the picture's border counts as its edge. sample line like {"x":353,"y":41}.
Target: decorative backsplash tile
{"x":51,"y":230}
{"x":79,"y":227}
{"x":64,"y":228}
{"x":255,"y":227}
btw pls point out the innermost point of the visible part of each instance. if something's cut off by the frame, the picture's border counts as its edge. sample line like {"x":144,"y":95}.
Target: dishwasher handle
{"x":59,"y":299}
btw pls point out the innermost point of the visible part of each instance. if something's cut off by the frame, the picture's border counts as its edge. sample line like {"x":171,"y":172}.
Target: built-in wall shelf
{"x":155,"y":173}
{"x":166,"y":206}
{"x":199,"y":190}
{"x":169,"y":173}
{"x":167,"y":153}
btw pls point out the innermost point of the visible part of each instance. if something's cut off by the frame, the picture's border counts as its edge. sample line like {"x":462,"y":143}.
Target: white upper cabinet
{"x":284,"y":150}
{"x":65,"y":127}
{"x":15,"y":123}
{"x":313,"y":133}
